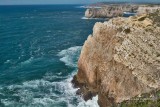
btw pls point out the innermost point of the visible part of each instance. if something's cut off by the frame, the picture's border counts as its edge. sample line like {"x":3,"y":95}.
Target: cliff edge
{"x":120,"y":60}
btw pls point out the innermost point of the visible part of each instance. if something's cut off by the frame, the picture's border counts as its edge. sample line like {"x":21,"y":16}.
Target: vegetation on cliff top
{"x":145,"y":100}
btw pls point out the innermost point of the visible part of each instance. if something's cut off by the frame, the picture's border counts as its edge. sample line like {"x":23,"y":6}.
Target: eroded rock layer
{"x":120,"y":60}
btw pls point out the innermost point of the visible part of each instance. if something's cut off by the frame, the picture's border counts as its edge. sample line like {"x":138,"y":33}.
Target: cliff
{"x":109,"y":11}
{"x":120,"y":60}
{"x":144,"y":9}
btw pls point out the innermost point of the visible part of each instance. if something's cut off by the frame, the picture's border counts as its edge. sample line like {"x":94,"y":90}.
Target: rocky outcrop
{"x":120,"y":60}
{"x":109,"y":11}
{"x":145,"y":10}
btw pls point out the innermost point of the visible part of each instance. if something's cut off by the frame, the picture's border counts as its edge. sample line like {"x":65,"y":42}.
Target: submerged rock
{"x":120,"y":60}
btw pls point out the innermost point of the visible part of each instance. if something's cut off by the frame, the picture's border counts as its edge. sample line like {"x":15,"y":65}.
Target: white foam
{"x":40,"y":86}
{"x":6,"y":102}
{"x":86,"y":7}
{"x":43,"y":101}
{"x":51,"y":76}
{"x":85,"y":18}
{"x":129,"y":13}
{"x":7,"y":61}
{"x":28,"y":91}
{"x":97,"y":7}
{"x":81,"y":7}
{"x":47,"y":93}
{"x":70,"y":56}
{"x":27,"y":61}
{"x":89,"y":103}
{"x":67,"y":57}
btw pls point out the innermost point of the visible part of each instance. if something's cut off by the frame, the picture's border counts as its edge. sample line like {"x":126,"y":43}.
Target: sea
{"x":39,"y":49}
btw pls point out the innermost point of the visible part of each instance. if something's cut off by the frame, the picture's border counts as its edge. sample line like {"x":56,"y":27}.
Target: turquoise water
{"x":39,"y":49}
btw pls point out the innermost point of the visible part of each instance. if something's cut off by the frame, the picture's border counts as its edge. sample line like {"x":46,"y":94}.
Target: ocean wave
{"x":70,"y":56}
{"x":89,"y":103}
{"x":19,"y":63}
{"x":47,"y":94}
{"x":27,"y":61}
{"x":39,"y":92}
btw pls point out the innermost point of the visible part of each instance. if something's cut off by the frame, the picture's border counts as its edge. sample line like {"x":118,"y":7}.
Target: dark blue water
{"x":39,"y":49}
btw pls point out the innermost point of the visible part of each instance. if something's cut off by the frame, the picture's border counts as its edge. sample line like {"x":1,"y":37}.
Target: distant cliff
{"x":120,"y":60}
{"x":144,"y":9}
{"x":109,"y":11}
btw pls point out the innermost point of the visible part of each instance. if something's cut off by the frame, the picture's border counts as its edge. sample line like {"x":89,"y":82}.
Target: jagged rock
{"x":120,"y":60}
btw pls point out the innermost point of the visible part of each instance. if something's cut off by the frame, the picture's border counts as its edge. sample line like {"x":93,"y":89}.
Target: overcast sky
{"x":10,"y":2}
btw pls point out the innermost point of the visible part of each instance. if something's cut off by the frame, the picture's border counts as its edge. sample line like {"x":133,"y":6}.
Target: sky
{"x":12,"y":2}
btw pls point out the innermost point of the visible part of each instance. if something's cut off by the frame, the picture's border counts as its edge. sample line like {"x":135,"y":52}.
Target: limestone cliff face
{"x":109,"y":11}
{"x":103,"y":13}
{"x":120,"y":60}
{"x":144,"y":9}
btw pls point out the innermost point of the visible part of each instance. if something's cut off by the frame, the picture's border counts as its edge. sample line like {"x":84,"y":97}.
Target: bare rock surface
{"x":120,"y":60}
{"x":109,"y":11}
{"x":145,"y":9}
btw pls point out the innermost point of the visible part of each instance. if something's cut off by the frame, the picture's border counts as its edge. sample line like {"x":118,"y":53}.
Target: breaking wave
{"x":70,"y":56}
{"x":45,"y":92}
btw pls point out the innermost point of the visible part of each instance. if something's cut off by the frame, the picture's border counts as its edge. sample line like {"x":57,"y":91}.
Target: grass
{"x":144,"y":101}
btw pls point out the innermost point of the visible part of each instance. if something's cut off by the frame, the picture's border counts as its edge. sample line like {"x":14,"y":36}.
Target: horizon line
{"x":81,"y":3}
{"x":40,"y":4}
